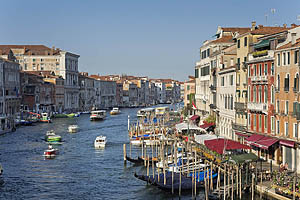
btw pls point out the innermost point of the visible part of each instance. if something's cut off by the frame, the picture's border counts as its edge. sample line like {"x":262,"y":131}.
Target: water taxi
{"x":160,"y":111}
{"x":115,"y":111}
{"x":45,"y":118}
{"x":52,"y":137}
{"x":50,"y":152}
{"x":98,"y":115}
{"x":100,"y":141}
{"x":145,"y":112}
{"x":73,"y":128}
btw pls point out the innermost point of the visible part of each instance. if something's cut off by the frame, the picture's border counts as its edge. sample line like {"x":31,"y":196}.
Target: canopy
{"x":253,"y":138}
{"x":186,"y":126}
{"x":262,"y":43}
{"x":207,"y":125}
{"x":220,"y":145}
{"x":241,"y":134}
{"x":201,"y":138}
{"x":287,"y":143}
{"x":265,"y":142}
{"x":194,"y":117}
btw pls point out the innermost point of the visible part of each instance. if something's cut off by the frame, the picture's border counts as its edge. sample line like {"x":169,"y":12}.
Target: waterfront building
{"x":42,"y":58}
{"x":10,"y":93}
{"x":224,"y":90}
{"x":189,"y":92}
{"x":245,"y":43}
{"x":86,"y":92}
{"x":160,"y":90}
{"x":287,"y":107}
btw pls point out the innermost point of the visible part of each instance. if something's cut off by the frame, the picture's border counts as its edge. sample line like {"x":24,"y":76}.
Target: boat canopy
{"x":98,"y":111}
{"x":186,"y":126}
{"x":201,"y":138}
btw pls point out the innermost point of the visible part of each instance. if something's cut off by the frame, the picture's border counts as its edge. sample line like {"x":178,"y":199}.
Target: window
{"x":260,"y":69}
{"x":278,"y":106}
{"x":266,"y":69}
{"x":255,"y":66}
{"x":266,"y":94}
{"x":245,"y":41}
{"x":277,"y":127}
{"x":295,"y":130}
{"x":266,"y":123}
{"x":249,"y":98}
{"x":272,"y":124}
{"x":296,"y":82}
{"x":249,"y":70}
{"x":278,"y":59}
{"x":254,"y":123}
{"x":254,"y":93}
{"x":278,"y":82}
{"x":238,"y":43}
{"x":231,"y":102}
{"x":286,"y":107}
{"x":259,"y":94}
{"x":288,"y":57}
{"x":272,"y":68}
{"x":238,"y":61}
{"x":238,"y":79}
{"x":296,"y":54}
{"x":287,"y":83}
{"x":231,"y":79}
{"x":42,"y":59}
{"x":286,"y":129}
{"x":33,"y":60}
{"x":196,"y":73}
{"x":208,"y":51}
{"x":188,"y":87}
{"x":245,"y":59}
{"x":25,"y":66}
{"x":225,"y":102}
{"x":249,"y":119}
{"x":222,"y":81}
{"x":273,"y":94}
{"x":260,"y":124}
{"x":284,"y":59}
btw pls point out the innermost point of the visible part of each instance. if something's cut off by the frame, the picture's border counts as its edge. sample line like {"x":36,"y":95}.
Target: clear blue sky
{"x":159,"y":39}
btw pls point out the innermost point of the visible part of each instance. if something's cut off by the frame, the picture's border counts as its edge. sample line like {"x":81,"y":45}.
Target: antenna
{"x":273,"y":10}
{"x":266,"y":17}
{"x":298,"y":18}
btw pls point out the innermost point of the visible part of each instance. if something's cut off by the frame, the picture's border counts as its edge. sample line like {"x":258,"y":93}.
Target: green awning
{"x":243,"y":158}
{"x":261,"y":44}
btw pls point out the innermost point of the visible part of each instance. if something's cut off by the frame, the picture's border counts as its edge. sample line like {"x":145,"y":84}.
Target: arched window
{"x":254,"y":93}
{"x":278,"y":82}
{"x":266,"y":94}
{"x":231,"y":102}
{"x":296,"y":83}
{"x":259,"y":94}
{"x":273,"y":94}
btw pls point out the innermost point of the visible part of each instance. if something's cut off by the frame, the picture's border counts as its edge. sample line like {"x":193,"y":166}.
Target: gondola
{"x":138,"y":161}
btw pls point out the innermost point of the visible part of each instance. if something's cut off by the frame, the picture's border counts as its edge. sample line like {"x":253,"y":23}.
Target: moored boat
{"x":98,"y":115}
{"x":115,"y":111}
{"x":50,"y":152}
{"x":45,"y":118}
{"x":100,"y":142}
{"x":73,"y":128}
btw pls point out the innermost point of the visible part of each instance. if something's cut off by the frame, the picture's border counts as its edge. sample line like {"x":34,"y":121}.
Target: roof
{"x":264,"y":30}
{"x":224,"y":39}
{"x":240,"y":30}
{"x":289,"y":45}
{"x":30,"y":49}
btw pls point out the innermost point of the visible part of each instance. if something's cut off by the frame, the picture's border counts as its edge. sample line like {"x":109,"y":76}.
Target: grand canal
{"x":79,"y":171}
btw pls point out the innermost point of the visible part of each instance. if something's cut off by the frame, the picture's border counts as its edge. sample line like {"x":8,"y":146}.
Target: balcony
{"x":239,"y":127}
{"x":261,"y":107}
{"x":239,"y":106}
{"x":259,"y":78}
{"x":260,"y":53}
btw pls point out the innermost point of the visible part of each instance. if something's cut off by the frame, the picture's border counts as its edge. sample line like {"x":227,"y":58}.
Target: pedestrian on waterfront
{"x":286,"y":166}
{"x":281,"y":167}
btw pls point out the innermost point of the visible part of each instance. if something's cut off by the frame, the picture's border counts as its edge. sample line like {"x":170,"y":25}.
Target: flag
{"x":194,"y":107}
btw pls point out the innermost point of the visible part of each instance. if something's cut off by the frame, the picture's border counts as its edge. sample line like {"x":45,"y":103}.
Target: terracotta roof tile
{"x":224,"y":39}
{"x":29,"y":49}
{"x":264,"y":30}
{"x":289,"y":45}
{"x":236,"y":29}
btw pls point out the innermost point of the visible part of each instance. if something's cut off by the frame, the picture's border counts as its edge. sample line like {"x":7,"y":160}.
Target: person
{"x":281,"y":167}
{"x":286,"y":166}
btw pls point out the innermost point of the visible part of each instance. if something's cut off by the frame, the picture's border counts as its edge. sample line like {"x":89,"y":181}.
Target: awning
{"x":287,"y":143}
{"x":220,"y":145}
{"x":265,"y":142}
{"x":194,"y":117}
{"x":201,"y":138}
{"x":241,"y":134}
{"x":243,"y":158}
{"x":253,"y":138}
{"x":185,"y":126}
{"x":207,"y":125}
{"x":262,"y":43}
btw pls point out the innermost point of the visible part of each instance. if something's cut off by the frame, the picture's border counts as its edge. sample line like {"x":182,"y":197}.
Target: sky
{"x":158,"y":39}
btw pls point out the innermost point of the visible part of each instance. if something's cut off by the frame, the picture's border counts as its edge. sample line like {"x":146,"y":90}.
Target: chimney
{"x":284,"y":25}
{"x":253,"y":24}
{"x":294,"y":38}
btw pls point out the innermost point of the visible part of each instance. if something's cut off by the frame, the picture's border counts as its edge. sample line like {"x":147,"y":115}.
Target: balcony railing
{"x":263,"y":107}
{"x":260,"y":53}
{"x":239,"y":106}
{"x":238,"y":127}
{"x":259,"y":78}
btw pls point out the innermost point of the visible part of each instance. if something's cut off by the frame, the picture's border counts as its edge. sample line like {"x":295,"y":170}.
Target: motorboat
{"x":52,"y":137}
{"x":45,"y":118}
{"x":100,"y":141}
{"x":50,"y":152}
{"x":146,"y":112}
{"x":1,"y":170}
{"x":73,"y":128}
{"x":77,"y":114}
{"x":98,"y":115}
{"x":115,"y":111}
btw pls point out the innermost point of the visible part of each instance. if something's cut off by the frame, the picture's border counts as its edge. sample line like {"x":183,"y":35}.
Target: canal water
{"x":80,"y":171}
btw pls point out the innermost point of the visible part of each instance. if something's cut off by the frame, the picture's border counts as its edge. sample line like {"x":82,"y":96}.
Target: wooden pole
{"x":211,"y":177}
{"x":172,"y":154}
{"x":252,"y":188}
{"x":294,"y":187}
{"x":124,"y":151}
{"x":148,"y":165}
{"x":232,"y":189}
{"x":224,"y":182}
{"x":180,"y":183}
{"x":240,"y":184}
{"x":237,"y":181}
{"x":195,"y":181}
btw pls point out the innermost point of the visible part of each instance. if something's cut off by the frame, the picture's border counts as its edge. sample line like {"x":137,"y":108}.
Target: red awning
{"x":253,"y":138}
{"x":287,"y":143}
{"x":194,"y":117}
{"x":265,"y":142}
{"x":241,"y":134}
{"x":219,"y":145}
{"x":206,"y":125}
